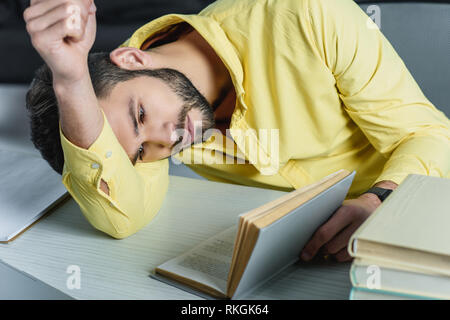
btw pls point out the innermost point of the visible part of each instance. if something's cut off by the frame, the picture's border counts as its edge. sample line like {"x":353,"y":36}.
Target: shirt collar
{"x":210,"y":30}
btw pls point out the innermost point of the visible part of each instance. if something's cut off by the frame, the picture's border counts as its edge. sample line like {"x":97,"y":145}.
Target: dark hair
{"x":42,"y":107}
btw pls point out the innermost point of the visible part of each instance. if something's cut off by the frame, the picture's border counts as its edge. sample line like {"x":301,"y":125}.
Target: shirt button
{"x":108,"y":154}
{"x":95,"y":166}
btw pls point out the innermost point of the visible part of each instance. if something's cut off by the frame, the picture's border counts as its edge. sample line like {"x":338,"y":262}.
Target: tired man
{"x":284,"y":92}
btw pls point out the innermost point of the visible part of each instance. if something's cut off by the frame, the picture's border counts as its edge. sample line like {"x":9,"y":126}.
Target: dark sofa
{"x":116,"y":21}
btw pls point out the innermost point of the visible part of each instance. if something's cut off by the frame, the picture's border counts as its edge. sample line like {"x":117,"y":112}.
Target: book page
{"x":278,"y":245}
{"x":208,"y":263}
{"x":266,"y":214}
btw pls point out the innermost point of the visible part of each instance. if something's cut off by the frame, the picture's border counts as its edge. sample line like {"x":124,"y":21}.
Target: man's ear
{"x":130,"y":58}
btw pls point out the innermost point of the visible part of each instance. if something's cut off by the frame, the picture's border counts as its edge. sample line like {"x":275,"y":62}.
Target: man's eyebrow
{"x":135,"y":126}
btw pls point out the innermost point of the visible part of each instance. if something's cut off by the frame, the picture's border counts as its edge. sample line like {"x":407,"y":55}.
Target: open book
{"x":265,"y":241}
{"x":28,"y":189}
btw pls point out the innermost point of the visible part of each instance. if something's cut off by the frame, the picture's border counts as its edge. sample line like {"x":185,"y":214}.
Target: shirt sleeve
{"x":379,"y":93}
{"x":135,"y":192}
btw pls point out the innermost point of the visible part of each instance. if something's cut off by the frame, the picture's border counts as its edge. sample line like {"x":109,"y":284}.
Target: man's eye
{"x":141,"y":152}
{"x":141,"y":114}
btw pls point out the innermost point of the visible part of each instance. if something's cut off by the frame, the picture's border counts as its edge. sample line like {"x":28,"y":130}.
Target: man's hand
{"x":333,"y":236}
{"x":63,"y":32}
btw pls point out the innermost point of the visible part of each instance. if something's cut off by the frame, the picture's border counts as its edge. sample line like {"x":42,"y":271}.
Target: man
{"x":316,"y":73}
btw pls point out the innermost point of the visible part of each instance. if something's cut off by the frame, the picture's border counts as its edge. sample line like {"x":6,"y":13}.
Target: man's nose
{"x":164,"y":135}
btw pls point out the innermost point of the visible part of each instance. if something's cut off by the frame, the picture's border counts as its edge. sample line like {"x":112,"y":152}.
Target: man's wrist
{"x":386,"y":184}
{"x":371,"y":198}
{"x":80,"y":116}
{"x":374,"y":197}
{"x":62,"y":84}
{"x":73,"y":92}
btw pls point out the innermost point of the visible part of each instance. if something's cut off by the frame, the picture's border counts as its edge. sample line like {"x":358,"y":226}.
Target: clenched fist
{"x":63,"y":32}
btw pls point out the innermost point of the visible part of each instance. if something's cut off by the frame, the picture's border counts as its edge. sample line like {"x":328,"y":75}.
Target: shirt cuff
{"x":98,"y":161}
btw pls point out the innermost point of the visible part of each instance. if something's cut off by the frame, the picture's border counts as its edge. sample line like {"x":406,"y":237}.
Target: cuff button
{"x":95,"y":166}
{"x":108,"y":154}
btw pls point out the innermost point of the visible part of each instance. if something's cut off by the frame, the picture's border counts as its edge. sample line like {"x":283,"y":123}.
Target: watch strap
{"x":380,"y":192}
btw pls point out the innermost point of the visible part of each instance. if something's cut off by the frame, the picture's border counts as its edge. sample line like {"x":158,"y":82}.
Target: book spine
{"x":378,"y":293}
{"x":361,"y":274}
{"x":352,"y":247}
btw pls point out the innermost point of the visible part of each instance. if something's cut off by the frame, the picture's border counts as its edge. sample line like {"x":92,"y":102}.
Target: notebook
{"x":29,"y":188}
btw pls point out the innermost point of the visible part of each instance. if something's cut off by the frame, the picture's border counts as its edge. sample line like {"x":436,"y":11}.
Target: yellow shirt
{"x":320,"y":72}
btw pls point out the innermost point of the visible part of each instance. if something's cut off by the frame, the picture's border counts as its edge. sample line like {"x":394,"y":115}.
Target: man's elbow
{"x":127,"y":226}
{"x":124,"y":230}
{"x":123,"y":233}
{"x":115,"y":225}
{"x":120,"y":236}
{"x":120,"y":224}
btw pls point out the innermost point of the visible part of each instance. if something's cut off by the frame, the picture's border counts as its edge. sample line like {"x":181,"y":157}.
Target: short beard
{"x":208,"y":122}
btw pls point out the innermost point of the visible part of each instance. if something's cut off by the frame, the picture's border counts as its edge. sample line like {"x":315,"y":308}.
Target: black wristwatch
{"x":380,"y":192}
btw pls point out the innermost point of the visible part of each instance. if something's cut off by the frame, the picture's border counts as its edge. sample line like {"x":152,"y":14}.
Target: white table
{"x":119,"y":269}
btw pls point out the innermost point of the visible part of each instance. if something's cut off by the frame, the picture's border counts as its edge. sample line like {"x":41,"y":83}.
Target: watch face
{"x":385,"y":194}
{"x":380,"y":192}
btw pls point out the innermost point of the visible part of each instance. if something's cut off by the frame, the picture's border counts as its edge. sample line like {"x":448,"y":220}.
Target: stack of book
{"x":403,"y":250}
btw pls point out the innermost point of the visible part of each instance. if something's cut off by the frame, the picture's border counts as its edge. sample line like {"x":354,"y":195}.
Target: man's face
{"x":150,"y":120}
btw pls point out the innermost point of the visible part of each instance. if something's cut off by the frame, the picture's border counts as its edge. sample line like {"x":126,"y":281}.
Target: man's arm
{"x":114,"y":196}
{"x":382,"y":98}
{"x":63,"y":33}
